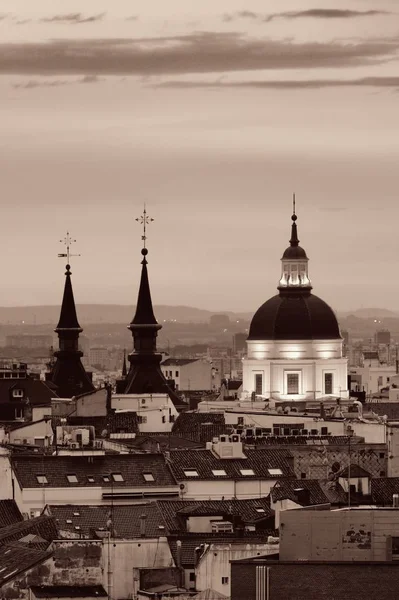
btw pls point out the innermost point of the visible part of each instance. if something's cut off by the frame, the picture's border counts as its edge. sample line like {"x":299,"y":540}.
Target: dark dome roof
{"x":294,"y":316}
{"x":294,"y":252}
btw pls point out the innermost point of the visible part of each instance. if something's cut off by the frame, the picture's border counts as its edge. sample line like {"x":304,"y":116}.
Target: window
{"x":328,"y":383}
{"x":19,"y":413}
{"x":148,"y":477}
{"x":382,"y":454}
{"x":192,"y":576}
{"x":177,"y":373}
{"x":41,"y":479}
{"x":117,"y":477}
{"x":259,"y":509}
{"x":72,"y":478}
{"x":382,"y":473}
{"x":219,"y":472}
{"x":275,"y":471}
{"x":292,"y":383}
{"x":106,"y":479}
{"x":395,"y":548}
{"x":191,"y":473}
{"x":247,"y":472}
{"x":143,"y":401}
{"x":225,"y":580}
{"x":141,"y":419}
{"x":258,"y":384}
{"x":90,"y":479}
{"x":303,"y":475}
{"x":18,"y":393}
{"x":240,"y":421}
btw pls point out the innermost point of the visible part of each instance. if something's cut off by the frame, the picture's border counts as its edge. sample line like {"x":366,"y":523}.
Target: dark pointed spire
{"x":124,"y":367}
{"x":294,"y":241}
{"x":144,"y":309}
{"x":68,"y":316}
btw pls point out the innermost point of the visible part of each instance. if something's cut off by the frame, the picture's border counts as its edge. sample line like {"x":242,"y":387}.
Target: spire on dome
{"x":294,"y":241}
{"x":294,"y":261}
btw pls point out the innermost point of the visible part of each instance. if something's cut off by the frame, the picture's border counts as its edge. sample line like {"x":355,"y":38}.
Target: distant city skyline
{"x":213,"y":115}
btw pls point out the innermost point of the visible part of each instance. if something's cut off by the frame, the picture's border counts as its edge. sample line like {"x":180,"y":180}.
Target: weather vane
{"x":144,"y":220}
{"x":67,"y":241}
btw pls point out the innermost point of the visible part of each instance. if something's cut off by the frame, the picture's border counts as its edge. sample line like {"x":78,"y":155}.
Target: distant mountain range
{"x":119,"y":313}
{"x":109,"y":313}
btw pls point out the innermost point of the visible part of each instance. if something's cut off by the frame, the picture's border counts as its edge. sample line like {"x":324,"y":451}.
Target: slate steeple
{"x":145,"y":375}
{"x":67,"y":372}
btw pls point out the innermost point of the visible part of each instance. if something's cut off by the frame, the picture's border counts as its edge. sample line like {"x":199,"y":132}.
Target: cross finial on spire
{"x":293,"y":204}
{"x":67,"y":241}
{"x":144,"y":220}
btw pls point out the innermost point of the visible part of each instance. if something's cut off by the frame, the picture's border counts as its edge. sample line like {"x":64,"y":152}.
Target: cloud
{"x":73,"y":18}
{"x":202,"y":52}
{"x":289,"y":84}
{"x":33,"y":83}
{"x":132,"y":18}
{"x":315,"y":13}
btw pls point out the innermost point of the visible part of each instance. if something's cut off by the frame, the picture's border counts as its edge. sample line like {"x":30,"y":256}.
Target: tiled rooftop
{"x":383,"y":489}
{"x":201,"y":427}
{"x":263,"y":463}
{"x":16,"y":559}
{"x":191,"y":542}
{"x":9,"y":513}
{"x":175,"y":512}
{"x":67,"y":591}
{"x":43,"y":526}
{"x":84,"y":521}
{"x":115,"y":422}
{"x":178,"y":362}
{"x":285,"y":490}
{"x":116,"y":471}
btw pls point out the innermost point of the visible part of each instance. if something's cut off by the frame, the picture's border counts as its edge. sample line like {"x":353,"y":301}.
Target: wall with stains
{"x":338,"y":535}
{"x":72,"y":563}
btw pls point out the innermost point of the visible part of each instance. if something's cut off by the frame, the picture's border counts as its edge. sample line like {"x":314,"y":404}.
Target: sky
{"x":213,"y":113}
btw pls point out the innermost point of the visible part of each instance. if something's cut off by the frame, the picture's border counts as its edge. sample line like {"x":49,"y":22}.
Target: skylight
{"x":259,"y":509}
{"x":275,"y":471}
{"x":90,"y":479}
{"x":106,"y":478}
{"x":41,"y":479}
{"x":247,"y":472}
{"x":148,"y":477}
{"x":191,"y":472}
{"x":72,"y":478}
{"x":219,"y":472}
{"x":117,"y":477}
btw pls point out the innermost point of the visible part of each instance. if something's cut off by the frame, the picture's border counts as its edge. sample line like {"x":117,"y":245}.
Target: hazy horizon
{"x":214,"y":114}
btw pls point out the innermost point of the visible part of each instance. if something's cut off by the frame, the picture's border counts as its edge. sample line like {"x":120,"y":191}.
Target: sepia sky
{"x":213,"y":113}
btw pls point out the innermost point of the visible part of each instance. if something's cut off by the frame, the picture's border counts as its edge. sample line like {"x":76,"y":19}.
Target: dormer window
{"x":18,"y":393}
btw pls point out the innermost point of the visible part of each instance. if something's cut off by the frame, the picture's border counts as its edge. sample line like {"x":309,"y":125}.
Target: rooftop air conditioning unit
{"x":98,"y":444}
{"x":74,"y":445}
{"x":224,"y":438}
{"x":235,"y":438}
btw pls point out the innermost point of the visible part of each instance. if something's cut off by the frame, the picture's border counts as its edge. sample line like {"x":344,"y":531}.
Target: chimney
{"x":395,"y":500}
{"x":178,"y":554}
{"x":303,"y":496}
{"x":143,"y":519}
{"x":322,"y":411}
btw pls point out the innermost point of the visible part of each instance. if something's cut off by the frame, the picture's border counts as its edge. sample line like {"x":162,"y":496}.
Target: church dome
{"x":300,"y":316}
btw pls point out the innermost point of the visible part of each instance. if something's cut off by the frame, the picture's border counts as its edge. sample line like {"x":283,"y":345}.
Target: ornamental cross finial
{"x":144,"y":220}
{"x":67,"y":241}
{"x":293,"y":204}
